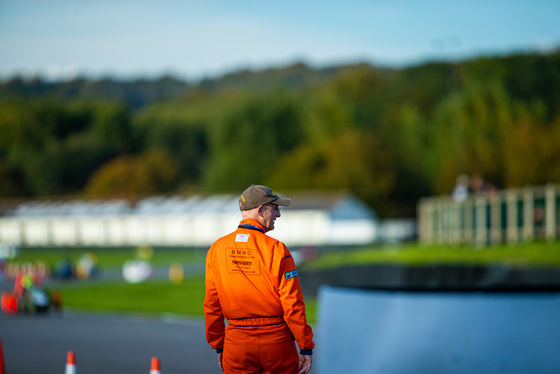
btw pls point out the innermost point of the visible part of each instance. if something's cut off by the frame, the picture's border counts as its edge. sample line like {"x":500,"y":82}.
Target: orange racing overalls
{"x":251,"y":279}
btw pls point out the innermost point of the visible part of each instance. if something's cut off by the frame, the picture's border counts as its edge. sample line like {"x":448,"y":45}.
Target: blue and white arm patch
{"x":291,"y":274}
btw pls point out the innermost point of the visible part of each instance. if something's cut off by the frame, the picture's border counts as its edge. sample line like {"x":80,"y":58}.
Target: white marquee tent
{"x":188,"y":221}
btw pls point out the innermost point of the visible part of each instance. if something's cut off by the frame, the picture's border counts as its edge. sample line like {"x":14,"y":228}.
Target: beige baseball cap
{"x":257,"y":195}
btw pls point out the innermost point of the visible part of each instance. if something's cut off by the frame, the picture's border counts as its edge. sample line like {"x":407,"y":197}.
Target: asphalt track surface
{"x":104,"y":344}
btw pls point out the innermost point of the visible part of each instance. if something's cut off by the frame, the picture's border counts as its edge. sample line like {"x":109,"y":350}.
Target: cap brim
{"x":282,"y":201}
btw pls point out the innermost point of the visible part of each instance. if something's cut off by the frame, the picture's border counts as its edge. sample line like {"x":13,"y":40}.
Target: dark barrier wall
{"x":402,"y":332}
{"x":430,"y":276}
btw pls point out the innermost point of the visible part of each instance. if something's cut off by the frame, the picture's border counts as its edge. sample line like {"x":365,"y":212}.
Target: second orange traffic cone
{"x":2,"y":368}
{"x":155,"y":368}
{"x":70,"y":363}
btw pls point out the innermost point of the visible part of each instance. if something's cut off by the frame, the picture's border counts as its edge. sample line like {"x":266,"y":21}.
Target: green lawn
{"x":540,"y":254}
{"x":150,"y":298}
{"x":110,"y":257}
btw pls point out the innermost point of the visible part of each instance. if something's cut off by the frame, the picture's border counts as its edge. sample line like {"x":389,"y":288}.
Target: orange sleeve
{"x":213,"y":315}
{"x":291,"y":298}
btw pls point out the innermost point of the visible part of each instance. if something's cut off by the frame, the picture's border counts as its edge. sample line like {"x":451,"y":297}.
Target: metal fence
{"x":507,"y":216}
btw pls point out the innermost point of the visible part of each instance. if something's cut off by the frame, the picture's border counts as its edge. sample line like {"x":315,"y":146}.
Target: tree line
{"x":390,"y":136}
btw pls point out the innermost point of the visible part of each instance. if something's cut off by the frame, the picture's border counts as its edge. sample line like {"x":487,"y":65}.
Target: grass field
{"x":539,"y":254}
{"x":153,"y":297}
{"x":159,"y":296}
{"x":110,"y":257}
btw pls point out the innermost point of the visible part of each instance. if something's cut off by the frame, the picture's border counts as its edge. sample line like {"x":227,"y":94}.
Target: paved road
{"x":104,"y":344}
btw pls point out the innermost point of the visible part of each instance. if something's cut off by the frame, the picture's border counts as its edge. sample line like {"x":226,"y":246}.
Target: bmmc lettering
{"x":241,"y":252}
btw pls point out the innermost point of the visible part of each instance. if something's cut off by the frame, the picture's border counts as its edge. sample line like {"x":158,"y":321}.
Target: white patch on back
{"x":242,"y":237}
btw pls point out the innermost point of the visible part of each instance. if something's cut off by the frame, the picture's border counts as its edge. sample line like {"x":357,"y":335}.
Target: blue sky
{"x":200,"y":38}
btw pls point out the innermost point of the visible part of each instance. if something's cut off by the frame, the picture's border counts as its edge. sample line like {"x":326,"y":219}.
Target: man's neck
{"x":253,"y":214}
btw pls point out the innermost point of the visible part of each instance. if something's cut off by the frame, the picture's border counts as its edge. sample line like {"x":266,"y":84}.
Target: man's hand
{"x":220,"y":361}
{"x":305,"y":362}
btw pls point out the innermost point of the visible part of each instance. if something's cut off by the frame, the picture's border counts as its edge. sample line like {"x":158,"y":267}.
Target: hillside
{"x":390,"y":136}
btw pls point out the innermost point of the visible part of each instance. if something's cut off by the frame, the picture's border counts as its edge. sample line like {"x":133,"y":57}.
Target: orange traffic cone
{"x":155,"y":366}
{"x":2,"y":369}
{"x":70,"y":363}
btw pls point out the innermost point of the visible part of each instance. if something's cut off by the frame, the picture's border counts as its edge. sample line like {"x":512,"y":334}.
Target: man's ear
{"x":260,"y":210}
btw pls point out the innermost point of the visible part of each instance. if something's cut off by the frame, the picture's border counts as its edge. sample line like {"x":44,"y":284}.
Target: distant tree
{"x":407,"y":136}
{"x":188,"y":145}
{"x":111,"y":122}
{"x":534,"y":77}
{"x":27,"y":128}
{"x":76,"y":158}
{"x":248,"y":143}
{"x":352,"y":162}
{"x":531,"y":153}
{"x":470,"y":130}
{"x":55,"y":146}
{"x":11,"y":184}
{"x":127,"y":175}
{"x":183,"y":137}
{"x":423,"y":86}
{"x":20,"y":125}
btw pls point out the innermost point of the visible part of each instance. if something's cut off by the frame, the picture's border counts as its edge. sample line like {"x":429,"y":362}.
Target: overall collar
{"x":251,"y":224}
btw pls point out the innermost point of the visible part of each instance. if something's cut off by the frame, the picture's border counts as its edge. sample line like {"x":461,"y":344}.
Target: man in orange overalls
{"x":251,"y":279}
